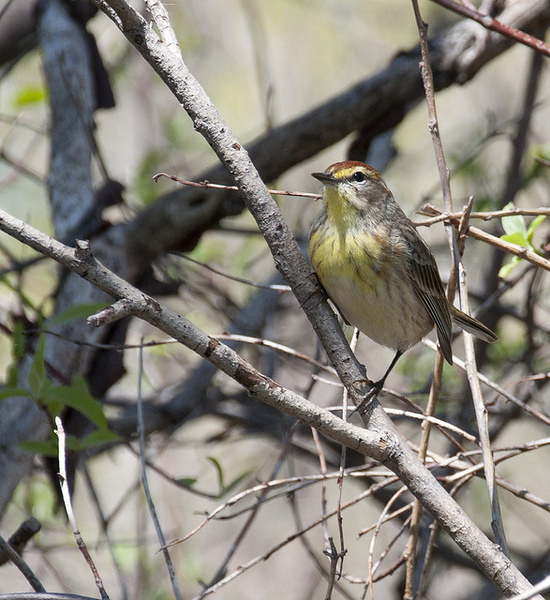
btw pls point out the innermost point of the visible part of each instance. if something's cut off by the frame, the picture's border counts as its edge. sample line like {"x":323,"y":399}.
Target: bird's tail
{"x":473,"y":326}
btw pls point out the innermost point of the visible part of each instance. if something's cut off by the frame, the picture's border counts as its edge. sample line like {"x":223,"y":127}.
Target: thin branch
{"x":299,"y":534}
{"x":493,"y":25}
{"x":291,"y":485}
{"x":66,"y":494}
{"x":479,"y":234}
{"x":125,"y":593}
{"x":276,"y":346}
{"x":21,"y":537}
{"x":434,"y":421}
{"x":162,"y":21}
{"x":343,"y":455}
{"x":445,"y":182}
{"x":234,"y":188}
{"x":334,"y":557}
{"x":514,"y":249}
{"x":145,"y":483}
{"x":381,"y":519}
{"x":21,"y":564}
{"x":44,"y":596}
{"x":262,"y":286}
{"x":482,"y":422}
{"x":486,"y":216}
{"x":253,"y":513}
{"x":504,"y":393}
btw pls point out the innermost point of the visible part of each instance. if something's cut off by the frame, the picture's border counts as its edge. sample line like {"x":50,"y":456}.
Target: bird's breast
{"x":365,"y":275}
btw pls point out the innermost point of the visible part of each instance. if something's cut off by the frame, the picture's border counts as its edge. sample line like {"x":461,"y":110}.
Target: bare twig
{"x":290,"y":485}
{"x":497,"y":26}
{"x":444,"y":179}
{"x":20,"y":538}
{"x":105,"y":528}
{"x":504,"y":393}
{"x":21,"y":564}
{"x":145,"y":483}
{"x":263,"y":286}
{"x":486,"y":216}
{"x":514,"y":249}
{"x":234,"y":188}
{"x":434,"y":421}
{"x":275,"y":346}
{"x":343,"y":454}
{"x":381,"y":519}
{"x":482,"y":422}
{"x":44,"y":596}
{"x":253,"y":513}
{"x":499,"y":243}
{"x":162,"y":21}
{"x":66,"y":494}
{"x":335,"y":557}
{"x":263,"y":557}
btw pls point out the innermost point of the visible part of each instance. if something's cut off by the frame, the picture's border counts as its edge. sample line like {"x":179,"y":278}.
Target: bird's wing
{"x":427,"y":283}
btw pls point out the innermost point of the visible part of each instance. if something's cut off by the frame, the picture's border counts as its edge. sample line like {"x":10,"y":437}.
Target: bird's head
{"x":352,"y":186}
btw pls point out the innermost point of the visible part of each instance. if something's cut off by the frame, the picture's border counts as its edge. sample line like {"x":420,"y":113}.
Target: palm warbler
{"x":377,"y":270}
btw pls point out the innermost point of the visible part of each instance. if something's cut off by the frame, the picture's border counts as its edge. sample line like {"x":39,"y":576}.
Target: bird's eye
{"x":359,"y":176}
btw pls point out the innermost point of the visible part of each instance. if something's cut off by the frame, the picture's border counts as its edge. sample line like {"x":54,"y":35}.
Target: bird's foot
{"x":374,"y":389}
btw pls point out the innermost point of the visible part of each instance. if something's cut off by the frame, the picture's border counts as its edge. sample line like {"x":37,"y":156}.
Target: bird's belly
{"x":386,"y":309}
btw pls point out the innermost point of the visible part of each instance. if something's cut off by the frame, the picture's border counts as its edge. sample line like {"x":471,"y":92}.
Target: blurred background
{"x":264,"y":64}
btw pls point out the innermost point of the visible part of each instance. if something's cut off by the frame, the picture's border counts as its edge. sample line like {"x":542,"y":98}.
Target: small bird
{"x":376,"y":269}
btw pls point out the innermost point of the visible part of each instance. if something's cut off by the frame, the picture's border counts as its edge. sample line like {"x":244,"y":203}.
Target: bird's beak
{"x":324,"y":178}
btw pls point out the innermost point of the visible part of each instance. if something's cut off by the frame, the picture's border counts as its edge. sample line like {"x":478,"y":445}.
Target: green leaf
{"x":233,"y":484}
{"x":18,"y":345}
{"x":51,"y":447}
{"x":8,"y":392}
{"x":50,"y":399}
{"x":18,"y":341}
{"x":517,"y":238}
{"x":74,"y":312}
{"x":78,"y":396}
{"x":46,"y":448}
{"x":187,"y":482}
{"x":533,"y":227}
{"x":219,"y":471}
{"x":224,"y":488}
{"x":12,"y":375}
{"x":514,"y":225}
{"x":98,"y":438}
{"x":518,"y":233}
{"x":507,"y":268}
{"x":30,"y":94}
{"x":37,"y":374}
